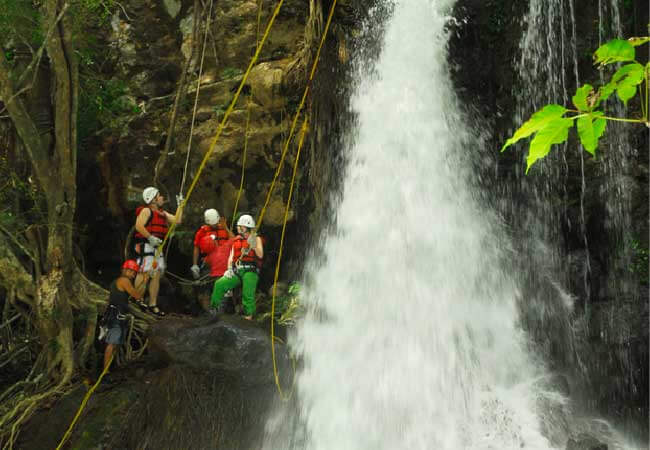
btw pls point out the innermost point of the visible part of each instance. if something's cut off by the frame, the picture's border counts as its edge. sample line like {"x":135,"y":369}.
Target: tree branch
{"x":23,"y":122}
{"x":12,"y":273}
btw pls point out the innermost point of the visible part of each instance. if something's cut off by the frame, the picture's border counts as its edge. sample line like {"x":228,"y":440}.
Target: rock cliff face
{"x":208,"y":383}
{"x":148,"y":48}
{"x":586,"y":306}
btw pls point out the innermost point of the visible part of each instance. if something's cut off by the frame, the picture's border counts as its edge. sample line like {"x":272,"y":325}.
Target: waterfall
{"x":537,"y":206}
{"x":573,"y":320}
{"x":412,"y":338}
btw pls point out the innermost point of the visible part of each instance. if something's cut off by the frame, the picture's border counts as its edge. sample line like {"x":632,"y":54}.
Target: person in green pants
{"x":244,"y":265}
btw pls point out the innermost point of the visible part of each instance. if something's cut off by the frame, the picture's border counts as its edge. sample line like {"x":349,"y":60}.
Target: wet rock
{"x":553,"y":410}
{"x":172,"y":7}
{"x":585,"y":442}
{"x":266,"y":81}
{"x":226,"y":346}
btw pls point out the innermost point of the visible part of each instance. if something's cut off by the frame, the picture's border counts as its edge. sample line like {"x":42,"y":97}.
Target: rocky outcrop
{"x":208,"y":384}
{"x":225,"y":346}
{"x":586,"y":306}
{"x":585,"y":442}
{"x":147,"y":48}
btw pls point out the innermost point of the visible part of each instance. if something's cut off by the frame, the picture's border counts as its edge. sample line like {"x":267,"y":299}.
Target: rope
{"x":223,"y":121}
{"x":295,"y":118}
{"x":196,"y":101}
{"x":196,"y":97}
{"x":83,"y":404}
{"x":303,"y":132}
{"x":205,"y":279}
{"x":129,"y":349}
{"x":248,"y":119}
{"x":190,"y":190}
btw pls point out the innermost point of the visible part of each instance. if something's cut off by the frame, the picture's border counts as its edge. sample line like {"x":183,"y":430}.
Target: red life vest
{"x":156,"y":225}
{"x":220,"y":236}
{"x":250,"y":258}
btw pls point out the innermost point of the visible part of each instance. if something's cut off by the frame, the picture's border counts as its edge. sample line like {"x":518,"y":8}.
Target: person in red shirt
{"x":214,"y":235}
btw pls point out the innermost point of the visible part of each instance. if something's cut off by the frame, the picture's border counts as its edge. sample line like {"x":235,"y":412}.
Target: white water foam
{"x":412,"y":340}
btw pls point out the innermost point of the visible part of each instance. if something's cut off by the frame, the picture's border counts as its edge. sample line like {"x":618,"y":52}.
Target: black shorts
{"x":115,"y":335}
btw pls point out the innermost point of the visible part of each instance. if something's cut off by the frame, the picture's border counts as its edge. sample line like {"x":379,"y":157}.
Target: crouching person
{"x":115,"y":317}
{"x":244,"y":263}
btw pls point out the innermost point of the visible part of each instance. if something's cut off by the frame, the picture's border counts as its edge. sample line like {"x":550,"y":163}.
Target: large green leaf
{"x":580,"y":99}
{"x":627,"y":78}
{"x":616,"y":50}
{"x":590,"y":128}
{"x":537,"y":121}
{"x":554,"y":132}
{"x":628,"y":70}
{"x":636,"y":41}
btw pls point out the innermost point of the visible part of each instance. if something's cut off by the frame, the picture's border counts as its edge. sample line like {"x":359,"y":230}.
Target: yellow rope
{"x":275,"y":177}
{"x":303,"y":132}
{"x":248,"y":119}
{"x":223,"y":122}
{"x":83,"y":404}
{"x":189,"y":191}
{"x":196,"y":102}
{"x":295,"y":118}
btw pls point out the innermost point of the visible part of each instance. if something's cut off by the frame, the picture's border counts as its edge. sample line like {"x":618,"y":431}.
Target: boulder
{"x":225,"y":346}
{"x":266,"y":83}
{"x":585,"y":442}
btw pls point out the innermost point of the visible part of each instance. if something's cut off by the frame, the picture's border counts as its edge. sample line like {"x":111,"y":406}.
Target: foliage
{"x":640,"y":260}
{"x":287,"y":307}
{"x":230,"y":72}
{"x":551,"y":124}
{"x":21,"y":21}
{"x":19,"y":195}
{"x":102,"y":103}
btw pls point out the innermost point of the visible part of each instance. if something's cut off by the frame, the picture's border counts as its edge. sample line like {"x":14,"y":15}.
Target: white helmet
{"x":246,"y":221}
{"x":211,"y":216}
{"x":149,"y":194}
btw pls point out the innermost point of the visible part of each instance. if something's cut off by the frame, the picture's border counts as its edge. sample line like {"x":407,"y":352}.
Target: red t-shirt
{"x":218,"y":259}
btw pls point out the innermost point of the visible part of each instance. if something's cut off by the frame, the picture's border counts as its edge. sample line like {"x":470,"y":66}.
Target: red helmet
{"x":207,"y":244}
{"x":131,"y":264}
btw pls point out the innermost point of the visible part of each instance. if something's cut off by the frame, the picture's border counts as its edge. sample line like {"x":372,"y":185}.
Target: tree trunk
{"x":54,"y":161}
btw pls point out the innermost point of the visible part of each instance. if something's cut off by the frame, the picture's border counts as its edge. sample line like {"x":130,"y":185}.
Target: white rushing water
{"x":412,"y":341}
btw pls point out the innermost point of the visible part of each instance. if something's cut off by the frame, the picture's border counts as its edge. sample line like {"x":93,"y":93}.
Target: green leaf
{"x":580,"y":99}
{"x":616,"y":50}
{"x":537,"y":121}
{"x":629,"y":70}
{"x":604,"y":92}
{"x":636,"y":41}
{"x":554,"y":132}
{"x":590,"y":128}
{"x":626,"y":92}
{"x":627,"y":79}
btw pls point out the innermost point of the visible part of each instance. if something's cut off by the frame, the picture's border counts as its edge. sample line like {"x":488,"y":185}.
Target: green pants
{"x":223,"y":285}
